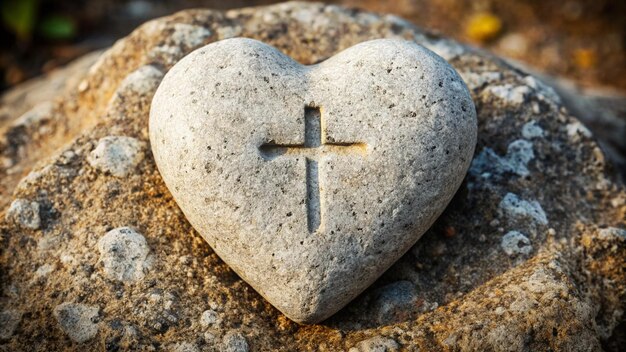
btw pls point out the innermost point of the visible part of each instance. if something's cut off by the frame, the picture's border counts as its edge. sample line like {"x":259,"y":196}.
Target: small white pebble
{"x":515,"y":242}
{"x":532,"y":130}
{"x":123,"y":252}
{"x":516,"y":208}
{"x":208,"y":318}
{"x":24,"y":213}
{"x":118,"y":155}
{"x":576,"y":130}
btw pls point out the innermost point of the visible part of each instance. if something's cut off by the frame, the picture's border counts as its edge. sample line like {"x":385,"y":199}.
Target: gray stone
{"x":9,"y":320}
{"x":514,"y":242}
{"x":516,"y":208}
{"x":123,"y":253}
{"x":118,"y":155}
{"x":310,"y":181}
{"x":234,"y":342}
{"x":78,"y":321}
{"x":24,"y":213}
{"x":376,"y":344}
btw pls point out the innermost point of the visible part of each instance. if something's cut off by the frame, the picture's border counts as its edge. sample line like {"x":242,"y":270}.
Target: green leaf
{"x":57,"y":27}
{"x":19,"y":16}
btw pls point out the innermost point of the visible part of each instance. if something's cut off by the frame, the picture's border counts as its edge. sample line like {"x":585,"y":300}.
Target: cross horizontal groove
{"x":270,"y":151}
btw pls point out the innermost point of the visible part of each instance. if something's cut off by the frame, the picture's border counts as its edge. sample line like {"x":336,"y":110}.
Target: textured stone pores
{"x":310,"y":181}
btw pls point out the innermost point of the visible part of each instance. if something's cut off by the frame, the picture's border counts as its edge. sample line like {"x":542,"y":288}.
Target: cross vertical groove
{"x":313,"y":139}
{"x":313,"y":149}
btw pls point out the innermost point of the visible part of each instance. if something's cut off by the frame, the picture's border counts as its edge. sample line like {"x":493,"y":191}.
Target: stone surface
{"x":123,"y":254}
{"x":310,"y":181}
{"x":566,"y":295}
{"x":78,"y":321}
{"x":118,"y":155}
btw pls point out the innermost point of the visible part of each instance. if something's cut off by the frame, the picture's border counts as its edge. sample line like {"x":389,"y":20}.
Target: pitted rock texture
{"x":310,"y":181}
{"x":567,"y":294}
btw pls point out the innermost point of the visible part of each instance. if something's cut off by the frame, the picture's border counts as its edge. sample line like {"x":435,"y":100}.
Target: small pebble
{"x":515,"y":242}
{"x":516,"y":208}
{"x":78,"y":321}
{"x":24,"y":213}
{"x":208,"y":318}
{"x":532,"y":130}
{"x":117,"y":155}
{"x":123,"y":252}
{"x":235,"y":342}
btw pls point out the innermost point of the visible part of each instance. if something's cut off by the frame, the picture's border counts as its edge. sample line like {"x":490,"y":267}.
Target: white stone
{"x":576,"y":130}
{"x":514,"y":242}
{"x":376,"y":344}
{"x":78,"y":321}
{"x":117,"y":155}
{"x":123,"y":253}
{"x":532,"y":130}
{"x":24,"y":213}
{"x":512,"y":95}
{"x":234,"y":342}
{"x":386,"y":131}
{"x":476,"y":80}
{"x":516,"y":208}
{"x":208,"y":318}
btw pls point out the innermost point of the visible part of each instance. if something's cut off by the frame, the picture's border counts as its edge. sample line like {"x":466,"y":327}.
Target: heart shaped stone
{"x":310,"y":181}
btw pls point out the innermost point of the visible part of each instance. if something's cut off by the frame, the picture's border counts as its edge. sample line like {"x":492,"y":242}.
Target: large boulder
{"x":95,"y":254}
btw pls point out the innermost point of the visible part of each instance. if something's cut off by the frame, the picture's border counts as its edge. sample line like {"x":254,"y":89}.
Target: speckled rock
{"x":117,"y":155}
{"x":297,"y":176}
{"x":234,"y":342}
{"x":123,"y":254}
{"x":567,"y":294}
{"x":514,"y":242}
{"x":78,"y":321}
{"x":24,"y":213}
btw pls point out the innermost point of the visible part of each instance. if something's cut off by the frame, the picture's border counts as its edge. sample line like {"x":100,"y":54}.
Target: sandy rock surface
{"x":469,"y":292}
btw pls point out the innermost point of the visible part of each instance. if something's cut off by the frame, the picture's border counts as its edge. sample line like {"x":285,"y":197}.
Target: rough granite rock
{"x":568,"y":294}
{"x":298,"y":176}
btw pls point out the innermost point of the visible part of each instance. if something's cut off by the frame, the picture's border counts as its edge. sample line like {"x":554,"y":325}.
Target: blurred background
{"x":581,"y":40}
